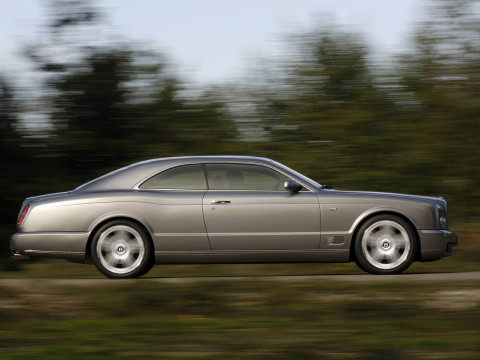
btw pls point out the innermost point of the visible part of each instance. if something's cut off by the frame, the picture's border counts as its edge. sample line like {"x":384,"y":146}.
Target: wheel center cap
{"x":385,"y":244}
{"x":120,"y":249}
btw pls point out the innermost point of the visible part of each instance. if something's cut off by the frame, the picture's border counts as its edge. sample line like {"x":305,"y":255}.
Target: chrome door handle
{"x":220,"y":202}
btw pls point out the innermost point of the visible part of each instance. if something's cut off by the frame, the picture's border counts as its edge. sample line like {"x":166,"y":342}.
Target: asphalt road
{"x":414,"y":278}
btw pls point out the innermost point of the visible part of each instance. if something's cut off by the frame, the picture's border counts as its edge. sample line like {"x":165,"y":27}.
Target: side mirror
{"x":292,"y":186}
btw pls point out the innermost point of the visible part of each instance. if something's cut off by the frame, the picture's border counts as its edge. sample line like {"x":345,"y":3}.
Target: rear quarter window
{"x":186,"y":177}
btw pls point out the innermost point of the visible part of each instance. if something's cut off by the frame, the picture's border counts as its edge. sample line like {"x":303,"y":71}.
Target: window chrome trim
{"x":266,"y":165}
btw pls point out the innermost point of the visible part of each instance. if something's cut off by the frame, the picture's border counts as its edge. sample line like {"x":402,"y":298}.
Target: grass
{"x":241,"y":320}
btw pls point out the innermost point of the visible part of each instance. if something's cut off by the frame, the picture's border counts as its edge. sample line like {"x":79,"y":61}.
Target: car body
{"x":223,"y":209}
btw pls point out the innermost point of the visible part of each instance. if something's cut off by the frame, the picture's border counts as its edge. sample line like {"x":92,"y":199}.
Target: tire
{"x":385,"y":244}
{"x":122,"y":249}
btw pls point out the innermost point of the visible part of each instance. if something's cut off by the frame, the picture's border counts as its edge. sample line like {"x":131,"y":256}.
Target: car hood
{"x":384,"y":195}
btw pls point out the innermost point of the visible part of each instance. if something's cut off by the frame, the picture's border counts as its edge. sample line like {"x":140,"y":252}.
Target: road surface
{"x":414,"y":278}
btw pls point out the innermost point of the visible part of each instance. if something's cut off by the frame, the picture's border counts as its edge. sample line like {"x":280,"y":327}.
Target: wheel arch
{"x":362,"y":220}
{"x":114,"y":217}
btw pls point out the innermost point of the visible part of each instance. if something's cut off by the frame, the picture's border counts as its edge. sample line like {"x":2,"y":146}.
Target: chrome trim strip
{"x":53,"y":252}
{"x":243,"y":234}
{"x":220,"y":161}
{"x":267,"y":234}
{"x":339,"y":233}
{"x":227,"y":252}
{"x":179,"y":234}
{"x":64,"y":233}
{"x":16,"y":255}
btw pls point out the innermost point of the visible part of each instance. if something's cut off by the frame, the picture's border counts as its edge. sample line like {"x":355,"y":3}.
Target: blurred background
{"x":375,"y":97}
{"x":365,"y":95}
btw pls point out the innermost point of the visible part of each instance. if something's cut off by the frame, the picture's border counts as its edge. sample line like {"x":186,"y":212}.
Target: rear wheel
{"x":121,"y":249}
{"x":385,"y":244}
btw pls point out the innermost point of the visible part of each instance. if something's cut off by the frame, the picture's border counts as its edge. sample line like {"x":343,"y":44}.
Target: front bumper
{"x":436,"y":244}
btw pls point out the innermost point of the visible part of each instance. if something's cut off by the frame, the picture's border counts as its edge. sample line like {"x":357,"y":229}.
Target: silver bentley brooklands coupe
{"x":228,"y":209}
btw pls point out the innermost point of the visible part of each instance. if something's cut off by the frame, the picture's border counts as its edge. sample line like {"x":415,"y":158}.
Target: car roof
{"x":206,"y":158}
{"x":127,"y":177}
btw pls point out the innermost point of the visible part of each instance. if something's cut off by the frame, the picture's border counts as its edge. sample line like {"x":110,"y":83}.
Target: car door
{"x":247,"y":208}
{"x":174,"y":208}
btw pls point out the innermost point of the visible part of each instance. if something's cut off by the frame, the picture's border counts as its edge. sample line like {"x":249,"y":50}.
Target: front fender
{"x":383,"y":210}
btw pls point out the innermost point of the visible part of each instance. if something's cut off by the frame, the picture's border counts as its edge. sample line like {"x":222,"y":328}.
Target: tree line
{"x":407,"y":123}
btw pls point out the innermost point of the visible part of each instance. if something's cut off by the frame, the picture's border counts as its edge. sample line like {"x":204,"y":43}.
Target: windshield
{"x":297,"y":174}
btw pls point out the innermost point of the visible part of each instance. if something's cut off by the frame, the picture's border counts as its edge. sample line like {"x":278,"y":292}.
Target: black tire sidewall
{"x":364,"y":264}
{"x":140,"y":270}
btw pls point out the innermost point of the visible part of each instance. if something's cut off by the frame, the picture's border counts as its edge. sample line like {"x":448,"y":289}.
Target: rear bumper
{"x":64,"y":245}
{"x":436,"y":244}
{"x":17,"y":255}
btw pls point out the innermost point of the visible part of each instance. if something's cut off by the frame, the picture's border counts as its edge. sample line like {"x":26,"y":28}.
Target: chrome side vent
{"x":336,"y":240}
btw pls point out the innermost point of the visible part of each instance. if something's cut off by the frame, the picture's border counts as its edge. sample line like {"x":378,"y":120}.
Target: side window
{"x":243,"y":177}
{"x":187,"y":177}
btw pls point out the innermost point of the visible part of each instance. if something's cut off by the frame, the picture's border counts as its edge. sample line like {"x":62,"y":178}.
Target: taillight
{"x":23,"y":214}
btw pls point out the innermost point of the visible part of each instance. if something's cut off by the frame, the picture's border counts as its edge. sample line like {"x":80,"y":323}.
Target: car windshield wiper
{"x":327,"y":187}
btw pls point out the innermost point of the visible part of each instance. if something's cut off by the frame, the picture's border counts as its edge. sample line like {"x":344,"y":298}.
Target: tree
{"x":13,"y":158}
{"x":111,"y":103}
{"x":330,"y":110}
{"x":440,"y":85}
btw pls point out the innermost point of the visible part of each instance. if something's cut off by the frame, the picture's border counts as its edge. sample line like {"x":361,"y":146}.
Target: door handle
{"x":220,"y":202}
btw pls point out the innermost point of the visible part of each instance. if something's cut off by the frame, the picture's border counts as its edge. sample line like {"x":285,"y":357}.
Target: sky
{"x":215,"y":40}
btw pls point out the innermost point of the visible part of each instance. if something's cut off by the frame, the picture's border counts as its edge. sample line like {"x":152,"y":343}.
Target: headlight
{"x":442,"y":217}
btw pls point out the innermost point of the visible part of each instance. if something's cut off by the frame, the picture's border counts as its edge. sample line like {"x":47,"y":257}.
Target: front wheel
{"x":121,"y":249}
{"x":385,"y":244}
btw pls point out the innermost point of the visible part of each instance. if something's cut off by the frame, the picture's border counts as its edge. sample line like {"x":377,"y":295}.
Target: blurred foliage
{"x":328,"y":109}
{"x":239,"y":319}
